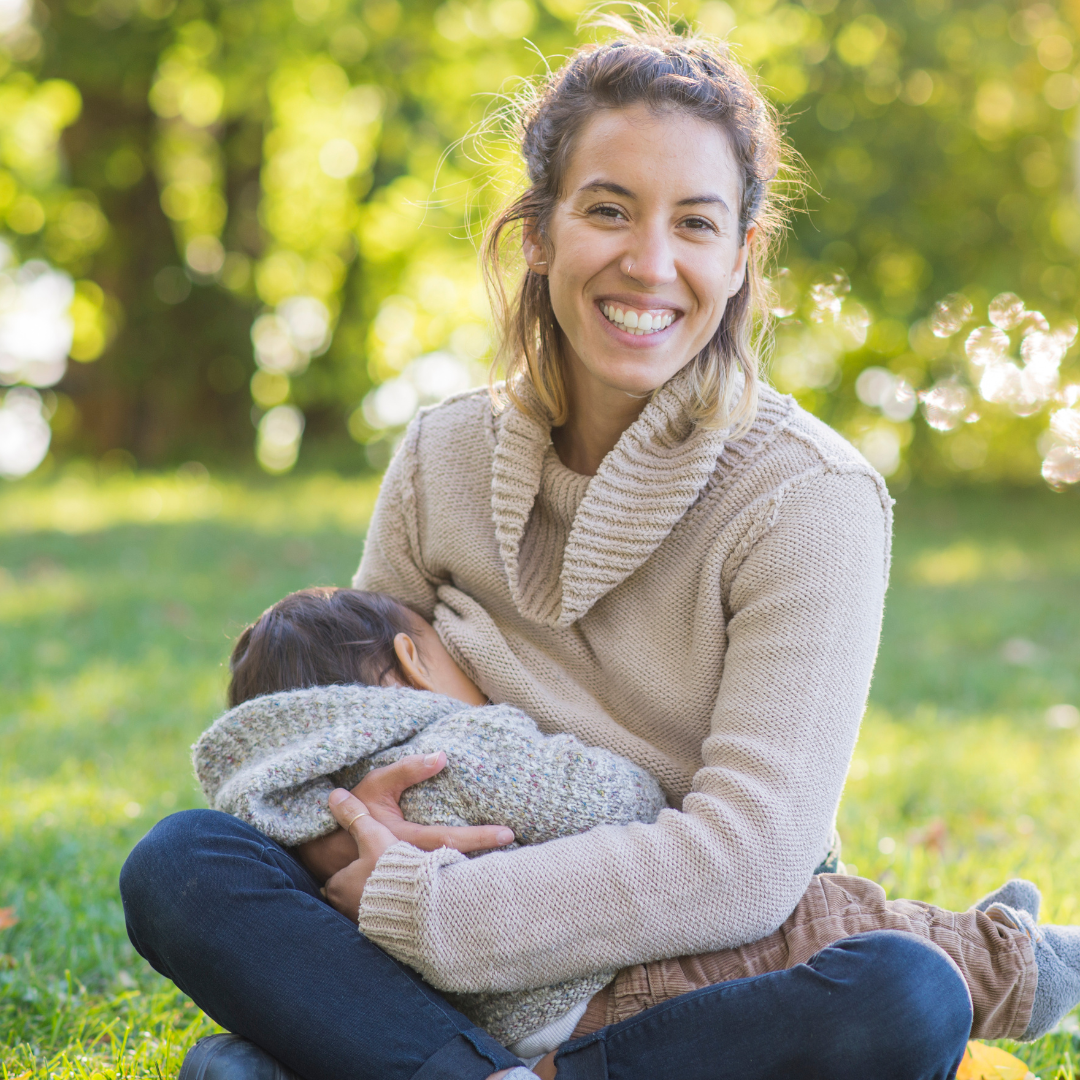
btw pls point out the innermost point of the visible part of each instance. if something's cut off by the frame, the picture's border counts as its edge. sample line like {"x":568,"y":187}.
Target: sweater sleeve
{"x":392,"y":561}
{"x":805,"y":599}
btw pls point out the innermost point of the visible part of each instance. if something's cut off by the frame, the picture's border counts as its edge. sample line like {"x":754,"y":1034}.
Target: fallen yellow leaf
{"x":983,"y":1062}
{"x":8,"y":918}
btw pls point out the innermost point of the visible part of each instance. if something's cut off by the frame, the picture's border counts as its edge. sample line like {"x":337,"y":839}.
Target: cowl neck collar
{"x":643,"y":487}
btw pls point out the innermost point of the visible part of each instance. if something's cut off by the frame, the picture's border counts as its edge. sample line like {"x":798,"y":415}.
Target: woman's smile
{"x":638,"y":321}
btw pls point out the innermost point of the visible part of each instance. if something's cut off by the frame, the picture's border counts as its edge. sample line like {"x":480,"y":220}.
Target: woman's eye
{"x":612,"y":212}
{"x":701,"y":224}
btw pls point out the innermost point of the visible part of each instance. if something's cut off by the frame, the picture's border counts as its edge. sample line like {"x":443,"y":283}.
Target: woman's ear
{"x":533,"y":248}
{"x":413,"y":667}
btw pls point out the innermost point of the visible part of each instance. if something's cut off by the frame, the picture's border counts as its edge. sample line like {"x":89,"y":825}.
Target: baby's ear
{"x":409,"y":658}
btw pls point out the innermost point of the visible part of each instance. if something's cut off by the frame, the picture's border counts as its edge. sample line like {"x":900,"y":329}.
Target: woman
{"x":638,"y":545}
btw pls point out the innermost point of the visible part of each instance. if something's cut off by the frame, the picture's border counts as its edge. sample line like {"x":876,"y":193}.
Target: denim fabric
{"x":884,"y":1005}
{"x":241,"y":927}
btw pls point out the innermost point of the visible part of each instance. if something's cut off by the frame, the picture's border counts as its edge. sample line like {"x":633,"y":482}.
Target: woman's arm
{"x":392,"y":561}
{"x":804,"y":616}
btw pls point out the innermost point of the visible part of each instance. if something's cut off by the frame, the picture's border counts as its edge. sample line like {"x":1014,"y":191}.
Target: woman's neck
{"x":599,"y":414}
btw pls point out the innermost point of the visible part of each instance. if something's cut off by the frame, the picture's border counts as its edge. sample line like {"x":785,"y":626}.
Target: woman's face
{"x":645,"y":248}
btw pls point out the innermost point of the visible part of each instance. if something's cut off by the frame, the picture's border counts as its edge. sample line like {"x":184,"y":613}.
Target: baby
{"x":330,"y":683}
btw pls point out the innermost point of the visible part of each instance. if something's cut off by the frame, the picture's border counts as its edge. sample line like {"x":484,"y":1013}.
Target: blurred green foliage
{"x":199,"y":164}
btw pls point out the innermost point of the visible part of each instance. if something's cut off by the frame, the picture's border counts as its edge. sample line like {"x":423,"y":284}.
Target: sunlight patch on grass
{"x":79,"y":502}
{"x":946,"y":811}
{"x":53,"y":593}
{"x":71,"y":802}
{"x":125,"y":725}
{"x":966,"y":562}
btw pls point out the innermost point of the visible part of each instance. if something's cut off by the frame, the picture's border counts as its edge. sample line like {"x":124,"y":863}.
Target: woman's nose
{"x":649,"y":258}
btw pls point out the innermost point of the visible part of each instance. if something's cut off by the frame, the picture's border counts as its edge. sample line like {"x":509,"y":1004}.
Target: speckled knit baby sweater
{"x":273,"y":760}
{"x":707,"y":607}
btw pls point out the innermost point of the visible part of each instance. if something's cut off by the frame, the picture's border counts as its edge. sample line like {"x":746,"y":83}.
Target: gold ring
{"x":359,"y":816}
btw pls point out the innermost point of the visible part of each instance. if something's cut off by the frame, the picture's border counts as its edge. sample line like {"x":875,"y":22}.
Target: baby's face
{"x":437,"y":670}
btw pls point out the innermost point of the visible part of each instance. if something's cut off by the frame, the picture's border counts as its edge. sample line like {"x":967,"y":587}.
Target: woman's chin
{"x":637,"y":370}
{"x":637,"y":383}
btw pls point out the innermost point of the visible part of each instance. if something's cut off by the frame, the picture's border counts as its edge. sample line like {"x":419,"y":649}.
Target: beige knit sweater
{"x":709,"y":609}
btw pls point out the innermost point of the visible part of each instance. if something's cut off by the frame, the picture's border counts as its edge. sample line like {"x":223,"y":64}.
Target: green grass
{"x":118,"y":600}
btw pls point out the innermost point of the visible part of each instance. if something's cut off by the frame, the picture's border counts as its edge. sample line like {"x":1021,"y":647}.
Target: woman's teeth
{"x":636,"y":323}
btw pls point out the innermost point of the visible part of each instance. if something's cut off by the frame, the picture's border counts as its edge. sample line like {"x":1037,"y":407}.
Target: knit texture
{"x":707,"y":607}
{"x":273,"y":760}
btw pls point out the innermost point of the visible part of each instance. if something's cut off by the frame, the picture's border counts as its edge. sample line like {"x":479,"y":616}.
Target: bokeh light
{"x":24,"y":432}
{"x":945,"y":404}
{"x":279,"y":434}
{"x":881,"y":447}
{"x":36,"y":328}
{"x":1012,"y":365}
{"x":13,"y":13}
{"x":950,"y":314}
{"x":286,"y":338}
{"x":881,"y":389}
{"x":424,"y":381}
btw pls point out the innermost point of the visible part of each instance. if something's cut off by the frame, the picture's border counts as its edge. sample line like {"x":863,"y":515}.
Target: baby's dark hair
{"x":320,"y":637}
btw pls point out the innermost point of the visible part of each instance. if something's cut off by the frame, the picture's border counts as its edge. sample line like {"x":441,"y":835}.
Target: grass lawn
{"x":118,"y":601}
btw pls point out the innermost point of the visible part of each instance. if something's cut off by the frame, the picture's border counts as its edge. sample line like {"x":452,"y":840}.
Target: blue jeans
{"x":239,"y":925}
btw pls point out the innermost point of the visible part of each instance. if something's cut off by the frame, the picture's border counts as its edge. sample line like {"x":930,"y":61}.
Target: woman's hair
{"x":319,"y":637}
{"x":655,"y":66}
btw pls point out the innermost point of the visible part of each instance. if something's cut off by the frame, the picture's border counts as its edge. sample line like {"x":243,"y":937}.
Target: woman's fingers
{"x":346,"y":808}
{"x":381,"y":789}
{"x":345,"y":889}
{"x":464,"y":838}
{"x":388,"y":782}
{"x":353,"y":816}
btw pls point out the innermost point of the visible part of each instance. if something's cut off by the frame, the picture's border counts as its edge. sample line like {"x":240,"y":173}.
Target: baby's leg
{"x":995,"y":959}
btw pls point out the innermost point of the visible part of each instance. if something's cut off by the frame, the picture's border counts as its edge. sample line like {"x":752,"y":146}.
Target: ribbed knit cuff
{"x":397,"y":899}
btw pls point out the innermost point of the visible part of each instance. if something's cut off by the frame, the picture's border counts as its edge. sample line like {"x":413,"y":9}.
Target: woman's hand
{"x":370,"y":839}
{"x":380,"y":791}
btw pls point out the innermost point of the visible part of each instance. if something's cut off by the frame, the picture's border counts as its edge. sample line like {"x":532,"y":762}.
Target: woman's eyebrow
{"x":626,"y":193}
{"x":696,"y":200}
{"x":608,"y":185}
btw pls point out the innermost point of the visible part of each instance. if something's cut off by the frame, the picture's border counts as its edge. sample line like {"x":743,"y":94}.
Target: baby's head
{"x":329,"y":636}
